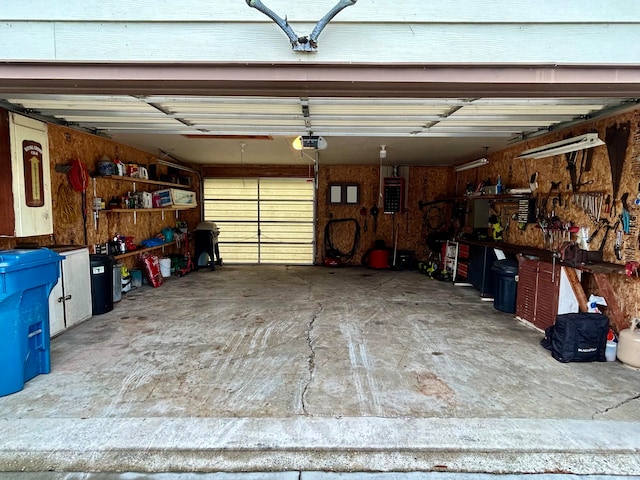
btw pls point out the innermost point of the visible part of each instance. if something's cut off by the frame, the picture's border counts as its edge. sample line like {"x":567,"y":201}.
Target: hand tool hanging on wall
{"x":618,"y":247}
{"x":363,"y":213}
{"x":374,"y":213}
{"x":617,"y":137}
{"x":608,"y":228}
{"x":624,"y":216}
{"x":607,"y":205}
{"x":602,"y":223}
{"x":571,"y":166}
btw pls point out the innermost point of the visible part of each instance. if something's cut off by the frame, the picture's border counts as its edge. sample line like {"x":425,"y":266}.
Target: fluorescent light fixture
{"x":581,"y":142}
{"x":309,"y":142}
{"x":470,"y":165}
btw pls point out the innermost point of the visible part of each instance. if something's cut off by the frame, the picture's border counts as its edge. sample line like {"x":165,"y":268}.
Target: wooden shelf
{"x":146,"y":210}
{"x":142,"y":250}
{"x":142,"y":180}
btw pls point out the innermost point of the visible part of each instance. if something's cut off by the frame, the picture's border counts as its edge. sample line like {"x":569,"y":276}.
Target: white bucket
{"x":610,"y":351}
{"x":165,"y":267}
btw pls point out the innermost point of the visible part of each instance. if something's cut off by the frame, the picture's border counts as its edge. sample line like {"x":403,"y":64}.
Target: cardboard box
{"x":177,"y":198}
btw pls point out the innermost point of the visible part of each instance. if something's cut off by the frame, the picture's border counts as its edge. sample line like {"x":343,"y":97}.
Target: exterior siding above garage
{"x":410,"y":31}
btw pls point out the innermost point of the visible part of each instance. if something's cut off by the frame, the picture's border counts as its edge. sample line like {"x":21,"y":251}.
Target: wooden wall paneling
{"x":424,"y":184}
{"x":367,"y":179}
{"x":67,"y":144}
{"x":7,"y":214}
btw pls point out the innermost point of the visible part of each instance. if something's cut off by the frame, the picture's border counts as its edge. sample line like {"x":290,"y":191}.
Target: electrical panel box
{"x":393,"y":194}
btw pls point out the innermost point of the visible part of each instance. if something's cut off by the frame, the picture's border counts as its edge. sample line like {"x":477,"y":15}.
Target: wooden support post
{"x":576,"y":286}
{"x":616,"y":316}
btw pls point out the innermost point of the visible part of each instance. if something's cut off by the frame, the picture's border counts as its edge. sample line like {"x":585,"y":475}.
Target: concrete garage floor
{"x":307,"y":369}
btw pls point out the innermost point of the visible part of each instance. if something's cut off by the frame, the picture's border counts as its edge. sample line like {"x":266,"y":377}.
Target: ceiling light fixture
{"x":470,"y":165}
{"x":174,"y":165}
{"x":309,"y":142}
{"x":581,"y":142}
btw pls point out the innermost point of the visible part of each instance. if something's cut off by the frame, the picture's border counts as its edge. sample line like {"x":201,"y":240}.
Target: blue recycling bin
{"x":26,"y":279}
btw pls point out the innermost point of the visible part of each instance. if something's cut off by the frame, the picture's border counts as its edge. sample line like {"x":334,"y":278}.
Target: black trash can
{"x":101,"y":284}
{"x":504,"y":285}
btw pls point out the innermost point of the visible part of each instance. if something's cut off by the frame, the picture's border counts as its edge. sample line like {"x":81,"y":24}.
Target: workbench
{"x":540,"y":297}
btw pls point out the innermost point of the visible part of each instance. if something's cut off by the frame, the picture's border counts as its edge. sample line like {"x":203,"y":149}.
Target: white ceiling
{"x":260,"y":130}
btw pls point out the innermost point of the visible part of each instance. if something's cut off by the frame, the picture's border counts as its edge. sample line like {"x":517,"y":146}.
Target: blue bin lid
{"x":22,"y":259}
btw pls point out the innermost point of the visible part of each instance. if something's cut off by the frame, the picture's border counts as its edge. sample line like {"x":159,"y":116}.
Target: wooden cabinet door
{"x":547,"y":294}
{"x":77,"y":286}
{"x":527,"y":287}
{"x":56,"y":309}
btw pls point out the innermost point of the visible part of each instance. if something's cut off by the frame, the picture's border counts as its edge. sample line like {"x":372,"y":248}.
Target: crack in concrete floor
{"x":312,"y":357}
{"x":616,"y":406}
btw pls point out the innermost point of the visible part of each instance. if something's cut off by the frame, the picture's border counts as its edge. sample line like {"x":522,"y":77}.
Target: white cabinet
{"x":30,"y":177}
{"x":70,"y":299}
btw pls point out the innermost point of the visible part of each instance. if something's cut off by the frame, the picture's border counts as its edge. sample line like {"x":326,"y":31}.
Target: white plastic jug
{"x":629,"y":345}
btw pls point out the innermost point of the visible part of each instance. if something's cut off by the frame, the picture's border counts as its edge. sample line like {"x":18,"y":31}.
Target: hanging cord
{"x":329,"y":246}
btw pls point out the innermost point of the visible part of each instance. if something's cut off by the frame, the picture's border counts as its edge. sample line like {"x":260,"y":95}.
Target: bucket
{"x":165,"y":267}
{"x":610,"y":351}
{"x":379,"y":259}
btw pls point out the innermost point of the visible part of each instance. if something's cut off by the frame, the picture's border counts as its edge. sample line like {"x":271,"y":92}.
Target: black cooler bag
{"x":578,"y":337}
